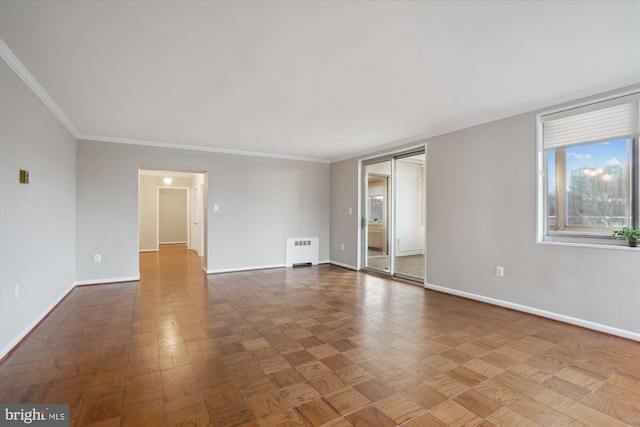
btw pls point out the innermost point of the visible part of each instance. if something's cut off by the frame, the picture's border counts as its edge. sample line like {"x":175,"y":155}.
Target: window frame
{"x":578,"y":236}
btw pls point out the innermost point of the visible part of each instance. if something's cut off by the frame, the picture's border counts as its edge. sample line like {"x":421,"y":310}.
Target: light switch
{"x":216,"y":208}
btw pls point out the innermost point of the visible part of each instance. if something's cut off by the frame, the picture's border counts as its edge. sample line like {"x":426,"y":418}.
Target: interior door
{"x":196,"y":219}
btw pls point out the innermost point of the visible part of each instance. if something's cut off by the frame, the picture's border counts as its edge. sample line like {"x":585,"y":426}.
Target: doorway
{"x":393,"y":225}
{"x":172,"y":210}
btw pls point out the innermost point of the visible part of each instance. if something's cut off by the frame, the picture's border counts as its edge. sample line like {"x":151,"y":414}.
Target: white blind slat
{"x":597,"y":125}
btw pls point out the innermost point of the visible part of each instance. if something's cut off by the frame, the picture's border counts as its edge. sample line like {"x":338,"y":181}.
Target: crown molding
{"x":14,"y":63}
{"x":195,"y":148}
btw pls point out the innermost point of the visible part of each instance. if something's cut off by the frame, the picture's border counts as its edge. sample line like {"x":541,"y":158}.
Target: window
{"x":589,"y":165}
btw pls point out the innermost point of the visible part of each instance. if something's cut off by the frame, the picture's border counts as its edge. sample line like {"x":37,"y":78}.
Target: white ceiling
{"x":315,"y":79}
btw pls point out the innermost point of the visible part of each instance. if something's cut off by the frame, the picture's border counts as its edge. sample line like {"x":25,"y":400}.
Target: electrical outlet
{"x":350,"y":211}
{"x":97,"y":258}
{"x":342,"y":246}
{"x":499,"y":271}
{"x":16,"y":292}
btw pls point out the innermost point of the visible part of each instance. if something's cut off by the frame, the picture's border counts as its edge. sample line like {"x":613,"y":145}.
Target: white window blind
{"x":604,"y":121}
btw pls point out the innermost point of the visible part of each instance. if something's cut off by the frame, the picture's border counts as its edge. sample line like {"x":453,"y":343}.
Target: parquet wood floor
{"x":312,"y":346}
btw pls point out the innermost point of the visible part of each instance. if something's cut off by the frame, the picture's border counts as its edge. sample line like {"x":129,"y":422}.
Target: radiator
{"x":302,"y":251}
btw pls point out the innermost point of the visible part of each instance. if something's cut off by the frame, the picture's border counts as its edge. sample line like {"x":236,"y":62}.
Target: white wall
{"x":37,"y":220}
{"x":345,"y":216}
{"x":148,"y":207}
{"x":481,"y":212}
{"x":481,"y":192}
{"x":197,"y":179}
{"x":172,"y":215}
{"x":262,"y":201}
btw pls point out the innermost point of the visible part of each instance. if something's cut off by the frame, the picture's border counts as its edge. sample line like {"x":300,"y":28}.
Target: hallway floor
{"x":312,"y":346}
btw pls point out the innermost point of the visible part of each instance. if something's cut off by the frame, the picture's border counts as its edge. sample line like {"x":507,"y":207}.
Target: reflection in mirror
{"x":375,"y":210}
{"x":377,"y":216}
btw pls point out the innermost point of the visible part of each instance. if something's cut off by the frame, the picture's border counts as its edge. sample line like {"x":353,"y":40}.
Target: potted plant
{"x":632,"y":235}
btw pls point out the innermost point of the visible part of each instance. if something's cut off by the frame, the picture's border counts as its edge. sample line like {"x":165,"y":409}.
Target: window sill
{"x":589,"y":245}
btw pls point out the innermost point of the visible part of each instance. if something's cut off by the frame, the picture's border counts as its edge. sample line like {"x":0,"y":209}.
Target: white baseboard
{"x":538,"y":312}
{"x":232,"y":270}
{"x":108,"y":280}
{"x":173,"y":243}
{"x":339,"y":264}
{"x":148,"y":250}
{"x":33,"y":324}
